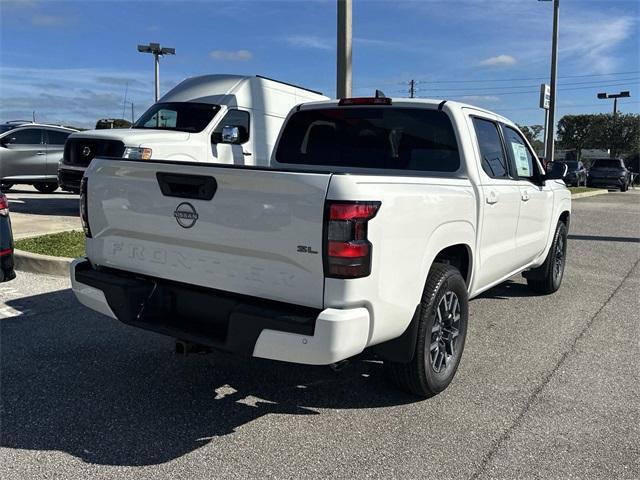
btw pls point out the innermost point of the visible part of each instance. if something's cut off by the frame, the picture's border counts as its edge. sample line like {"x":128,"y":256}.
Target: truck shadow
{"x":51,"y":204}
{"x":509,"y":289}
{"x":109,"y":394}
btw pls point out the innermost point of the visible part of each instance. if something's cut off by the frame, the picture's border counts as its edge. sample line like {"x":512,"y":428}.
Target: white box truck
{"x":187,"y":124}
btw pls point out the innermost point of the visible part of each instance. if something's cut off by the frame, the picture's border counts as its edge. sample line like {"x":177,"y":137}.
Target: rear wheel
{"x":548,"y":276}
{"x":48,"y":187}
{"x":624,"y":187}
{"x":442,"y":330}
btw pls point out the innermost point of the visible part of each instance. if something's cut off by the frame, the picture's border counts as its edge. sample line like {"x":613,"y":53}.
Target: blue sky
{"x":72,"y":61}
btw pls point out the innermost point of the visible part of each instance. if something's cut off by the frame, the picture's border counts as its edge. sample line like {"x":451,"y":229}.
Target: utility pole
{"x":551,"y":136}
{"x":614,"y":134}
{"x":344,"y":82}
{"x":412,"y":88}
{"x":157,"y":51}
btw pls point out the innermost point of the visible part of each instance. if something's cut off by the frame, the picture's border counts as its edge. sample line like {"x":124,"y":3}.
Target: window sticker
{"x":522,"y":159}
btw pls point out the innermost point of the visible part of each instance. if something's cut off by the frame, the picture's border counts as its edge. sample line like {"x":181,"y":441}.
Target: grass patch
{"x":582,"y":189}
{"x":65,"y":244}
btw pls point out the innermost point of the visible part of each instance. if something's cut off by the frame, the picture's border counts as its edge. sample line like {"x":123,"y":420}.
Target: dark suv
{"x":609,"y":173}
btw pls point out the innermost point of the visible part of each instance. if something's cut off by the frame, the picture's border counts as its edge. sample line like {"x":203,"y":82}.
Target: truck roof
{"x":403,"y":101}
{"x":216,"y":88}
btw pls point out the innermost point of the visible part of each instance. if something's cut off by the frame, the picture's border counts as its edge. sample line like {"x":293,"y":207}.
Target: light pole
{"x":157,"y":51}
{"x":343,"y":83}
{"x":551,"y":136}
{"x":615,"y":96}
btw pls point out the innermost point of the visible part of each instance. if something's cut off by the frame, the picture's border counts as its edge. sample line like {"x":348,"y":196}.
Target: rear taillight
{"x":84,"y":211}
{"x":4,"y":205}
{"x":347,"y":252}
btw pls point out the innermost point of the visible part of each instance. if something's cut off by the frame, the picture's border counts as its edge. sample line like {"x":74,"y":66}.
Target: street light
{"x":615,"y":96}
{"x":554,"y":70}
{"x":157,"y":51}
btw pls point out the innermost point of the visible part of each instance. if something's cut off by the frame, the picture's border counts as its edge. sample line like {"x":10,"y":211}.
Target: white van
{"x":188,"y":124}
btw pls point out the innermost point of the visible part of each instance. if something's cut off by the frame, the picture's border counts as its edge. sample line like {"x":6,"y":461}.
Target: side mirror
{"x":7,"y":141}
{"x":230,"y":134}
{"x":557,"y":171}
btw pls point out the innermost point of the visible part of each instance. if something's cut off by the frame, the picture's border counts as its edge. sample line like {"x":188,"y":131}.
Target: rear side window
{"x":57,"y":137}
{"x":370,"y":137}
{"x":494,"y":162}
{"x":28,"y":136}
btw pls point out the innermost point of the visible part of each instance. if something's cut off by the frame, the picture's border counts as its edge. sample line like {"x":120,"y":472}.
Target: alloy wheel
{"x":444,"y":332}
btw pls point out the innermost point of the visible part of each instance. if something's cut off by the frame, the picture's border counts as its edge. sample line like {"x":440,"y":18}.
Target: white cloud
{"x":498,"y":61}
{"x":231,"y":55}
{"x":479,"y":98}
{"x":50,"y":20}
{"x":593,"y":41}
{"x":309,"y":41}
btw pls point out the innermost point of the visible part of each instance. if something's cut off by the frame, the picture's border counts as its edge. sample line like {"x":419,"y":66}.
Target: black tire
{"x":48,"y":187}
{"x":547,"y":278}
{"x":421,"y":376}
{"x":4,"y":186}
{"x":624,"y":187}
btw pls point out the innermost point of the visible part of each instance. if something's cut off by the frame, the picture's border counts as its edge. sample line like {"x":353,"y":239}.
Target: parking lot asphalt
{"x":548,"y":387}
{"x":34,"y":213}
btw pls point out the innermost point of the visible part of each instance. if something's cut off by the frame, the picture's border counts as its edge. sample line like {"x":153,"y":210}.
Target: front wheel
{"x":547,"y":277}
{"x":442,"y":330}
{"x":48,"y":187}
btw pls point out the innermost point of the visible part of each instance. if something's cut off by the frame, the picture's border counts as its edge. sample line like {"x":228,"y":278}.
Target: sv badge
{"x":306,"y":249}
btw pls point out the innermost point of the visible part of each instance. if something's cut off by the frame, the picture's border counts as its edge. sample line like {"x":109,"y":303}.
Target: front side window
{"x":522,"y":157}
{"x":27,"y":136}
{"x":371,"y":137}
{"x":57,"y":137}
{"x":233,"y":118}
{"x":493,"y":160}
{"x":182,"y":116}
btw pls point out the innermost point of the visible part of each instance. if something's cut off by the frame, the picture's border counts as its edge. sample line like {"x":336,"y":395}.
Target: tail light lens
{"x":4,"y":205}
{"x":347,"y":252}
{"x":84,"y":211}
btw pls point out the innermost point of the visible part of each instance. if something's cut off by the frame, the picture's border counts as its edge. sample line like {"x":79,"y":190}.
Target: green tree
{"x":532,"y":133}
{"x":577,"y":132}
{"x":623,"y":134}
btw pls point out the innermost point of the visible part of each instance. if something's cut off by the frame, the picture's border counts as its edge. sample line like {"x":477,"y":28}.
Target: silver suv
{"x":30,"y":153}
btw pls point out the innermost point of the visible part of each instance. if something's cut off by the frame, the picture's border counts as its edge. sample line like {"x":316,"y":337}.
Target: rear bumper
{"x":614,"y":182}
{"x":235,"y":323}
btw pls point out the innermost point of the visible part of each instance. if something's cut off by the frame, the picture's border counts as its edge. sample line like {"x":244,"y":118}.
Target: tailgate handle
{"x":197,"y":187}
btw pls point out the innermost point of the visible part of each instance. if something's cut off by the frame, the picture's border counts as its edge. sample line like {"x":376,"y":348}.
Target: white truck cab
{"x":187,"y":124}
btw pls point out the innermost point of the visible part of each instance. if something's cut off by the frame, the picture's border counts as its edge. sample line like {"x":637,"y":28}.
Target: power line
{"x":529,"y":78}
{"x":591,"y":83}
{"x":499,"y":94}
{"x":566,"y":107}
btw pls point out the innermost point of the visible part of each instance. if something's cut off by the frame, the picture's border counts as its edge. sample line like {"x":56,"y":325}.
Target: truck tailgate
{"x":249,"y":231}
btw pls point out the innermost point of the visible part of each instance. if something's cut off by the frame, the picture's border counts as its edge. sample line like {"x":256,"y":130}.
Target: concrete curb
{"x":588,"y":194}
{"x":46,"y":264}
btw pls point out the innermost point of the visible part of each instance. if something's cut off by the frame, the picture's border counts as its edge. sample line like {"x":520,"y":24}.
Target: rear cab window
{"x":385,"y":137}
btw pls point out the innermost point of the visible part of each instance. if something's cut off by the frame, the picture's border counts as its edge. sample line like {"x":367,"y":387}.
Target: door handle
{"x":492,"y":197}
{"x":525,"y":196}
{"x":40,"y":153}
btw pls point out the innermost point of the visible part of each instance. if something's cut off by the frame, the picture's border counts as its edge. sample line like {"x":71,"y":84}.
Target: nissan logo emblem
{"x":86,"y":151}
{"x":186,"y":215}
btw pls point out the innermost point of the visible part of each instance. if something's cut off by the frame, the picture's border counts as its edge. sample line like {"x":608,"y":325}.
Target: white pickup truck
{"x":375,"y":223}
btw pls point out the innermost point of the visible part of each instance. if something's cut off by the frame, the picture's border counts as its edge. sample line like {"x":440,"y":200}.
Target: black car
{"x":6,"y":242}
{"x":576,"y":173}
{"x":609,"y":173}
